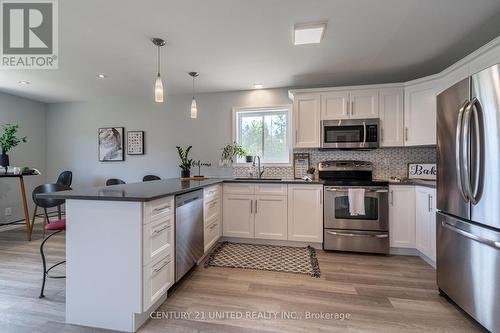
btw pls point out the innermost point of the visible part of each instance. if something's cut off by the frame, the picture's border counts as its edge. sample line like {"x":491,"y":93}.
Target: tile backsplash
{"x":387,"y":162}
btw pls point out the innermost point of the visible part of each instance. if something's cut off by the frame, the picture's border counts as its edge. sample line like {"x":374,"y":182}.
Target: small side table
{"x":23,"y":197}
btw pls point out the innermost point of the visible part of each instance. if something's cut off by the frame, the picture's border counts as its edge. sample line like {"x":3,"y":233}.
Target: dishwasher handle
{"x":187,"y":198}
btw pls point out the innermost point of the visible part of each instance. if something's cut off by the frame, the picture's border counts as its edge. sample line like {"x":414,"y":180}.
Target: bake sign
{"x":422,"y":170}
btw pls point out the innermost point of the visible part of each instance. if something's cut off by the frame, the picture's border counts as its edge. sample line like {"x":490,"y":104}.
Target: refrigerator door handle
{"x":478,"y":179}
{"x":459,"y":151}
{"x":482,"y":240}
{"x":466,"y":156}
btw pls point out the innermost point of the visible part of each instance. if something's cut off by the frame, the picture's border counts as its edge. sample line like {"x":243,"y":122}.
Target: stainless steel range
{"x":343,"y":230}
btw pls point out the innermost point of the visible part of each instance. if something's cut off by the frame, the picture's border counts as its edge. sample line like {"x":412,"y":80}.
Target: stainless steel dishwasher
{"x":188,"y":231}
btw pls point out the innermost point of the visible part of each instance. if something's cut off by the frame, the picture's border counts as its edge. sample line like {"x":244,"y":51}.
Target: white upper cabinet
{"x":306,"y":120}
{"x":402,"y":216}
{"x":420,"y":114}
{"x":391,"y":113}
{"x":352,"y":104}
{"x":334,"y":105}
{"x":364,"y":103}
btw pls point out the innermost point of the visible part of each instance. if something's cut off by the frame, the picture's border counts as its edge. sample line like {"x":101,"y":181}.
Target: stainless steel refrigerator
{"x":468,"y":196}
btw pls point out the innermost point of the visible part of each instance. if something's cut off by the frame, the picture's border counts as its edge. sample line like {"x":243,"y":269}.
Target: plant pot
{"x":249,"y":159}
{"x":4,"y":160}
{"x":185,"y":173}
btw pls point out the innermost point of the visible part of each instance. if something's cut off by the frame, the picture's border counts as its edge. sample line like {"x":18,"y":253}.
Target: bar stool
{"x":65,"y":178}
{"x":114,"y":181}
{"x":55,"y":226}
{"x":149,"y":178}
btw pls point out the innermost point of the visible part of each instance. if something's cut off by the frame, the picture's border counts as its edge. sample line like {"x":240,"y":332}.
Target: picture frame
{"x":301,"y":162}
{"x":110,"y":144}
{"x":423,"y":171}
{"x":135,"y":142}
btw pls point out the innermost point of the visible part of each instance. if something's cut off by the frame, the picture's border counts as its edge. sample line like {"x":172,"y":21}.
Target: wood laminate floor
{"x":378,"y":293}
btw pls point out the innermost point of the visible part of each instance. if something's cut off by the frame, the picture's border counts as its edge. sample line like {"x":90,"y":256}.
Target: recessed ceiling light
{"x":258,"y":86}
{"x":24,"y":83}
{"x":102,"y":76}
{"x":308,"y":33}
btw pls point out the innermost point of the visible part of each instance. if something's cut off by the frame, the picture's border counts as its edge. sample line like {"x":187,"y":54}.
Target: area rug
{"x":300,"y":260}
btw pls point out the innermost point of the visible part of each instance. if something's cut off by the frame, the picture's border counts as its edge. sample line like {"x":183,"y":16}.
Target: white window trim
{"x":288,"y":107}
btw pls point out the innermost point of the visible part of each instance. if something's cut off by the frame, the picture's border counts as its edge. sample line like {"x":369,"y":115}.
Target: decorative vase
{"x":185,"y":173}
{"x":4,"y":160}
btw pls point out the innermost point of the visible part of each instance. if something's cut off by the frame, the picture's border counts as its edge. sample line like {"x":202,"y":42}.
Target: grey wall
{"x":30,"y":116}
{"x":72,"y":133}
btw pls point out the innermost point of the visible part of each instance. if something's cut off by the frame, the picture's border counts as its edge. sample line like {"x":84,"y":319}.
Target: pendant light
{"x":158,"y":83}
{"x":194,"y":109}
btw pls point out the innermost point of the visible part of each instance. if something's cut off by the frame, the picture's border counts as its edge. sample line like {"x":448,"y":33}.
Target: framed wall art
{"x":110,"y":144}
{"x":301,"y":162}
{"x":135,"y":143}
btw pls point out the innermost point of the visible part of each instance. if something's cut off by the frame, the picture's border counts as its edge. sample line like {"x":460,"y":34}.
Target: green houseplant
{"x":186,"y":163}
{"x":229,"y":153}
{"x":9,"y":140}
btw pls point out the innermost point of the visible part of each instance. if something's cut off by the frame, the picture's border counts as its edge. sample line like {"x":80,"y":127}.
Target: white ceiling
{"x":235,"y":43}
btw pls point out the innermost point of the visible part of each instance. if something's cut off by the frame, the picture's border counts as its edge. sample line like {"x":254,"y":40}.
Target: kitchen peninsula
{"x":120,"y":244}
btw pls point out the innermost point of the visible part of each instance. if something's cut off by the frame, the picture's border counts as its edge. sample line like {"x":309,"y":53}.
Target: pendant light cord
{"x":193,"y":86}
{"x":158,"y":60}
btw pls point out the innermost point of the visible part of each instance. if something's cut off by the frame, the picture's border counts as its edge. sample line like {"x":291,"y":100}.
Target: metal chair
{"x":114,"y":181}
{"x":55,"y":226}
{"x":149,"y":178}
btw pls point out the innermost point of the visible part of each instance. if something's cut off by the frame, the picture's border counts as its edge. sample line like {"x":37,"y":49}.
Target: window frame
{"x":254,"y":109}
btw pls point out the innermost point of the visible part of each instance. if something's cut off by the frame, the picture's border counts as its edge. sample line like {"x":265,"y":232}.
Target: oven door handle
{"x":335,"y":233}
{"x":345,"y":190}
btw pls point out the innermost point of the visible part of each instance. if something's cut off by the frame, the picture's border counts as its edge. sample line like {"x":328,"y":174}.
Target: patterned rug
{"x":301,"y":260}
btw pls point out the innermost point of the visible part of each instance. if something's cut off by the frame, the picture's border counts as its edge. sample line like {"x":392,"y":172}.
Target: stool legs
{"x":44,"y":262}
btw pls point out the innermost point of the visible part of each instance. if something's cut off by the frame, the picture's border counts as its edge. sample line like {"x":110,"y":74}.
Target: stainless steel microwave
{"x":350,"y":134}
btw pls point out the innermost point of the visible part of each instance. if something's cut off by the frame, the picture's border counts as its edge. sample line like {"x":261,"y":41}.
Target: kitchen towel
{"x":356,"y":201}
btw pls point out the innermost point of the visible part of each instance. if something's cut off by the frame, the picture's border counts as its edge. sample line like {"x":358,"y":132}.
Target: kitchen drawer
{"x":212,"y":232}
{"x":158,"y":276}
{"x":158,"y":239}
{"x":239,"y":188}
{"x":357,"y":241}
{"x":212,"y":192}
{"x":211,"y":209}
{"x":271,"y":189}
{"x":158,"y":209}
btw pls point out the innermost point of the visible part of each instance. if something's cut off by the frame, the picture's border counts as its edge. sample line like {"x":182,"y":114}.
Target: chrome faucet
{"x":259,"y":172}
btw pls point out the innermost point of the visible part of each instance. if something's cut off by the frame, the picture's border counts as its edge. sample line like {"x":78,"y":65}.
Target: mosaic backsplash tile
{"x":387,"y":162}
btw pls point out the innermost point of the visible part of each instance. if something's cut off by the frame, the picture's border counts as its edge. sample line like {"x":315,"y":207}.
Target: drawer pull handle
{"x":212,"y":205}
{"x":157,"y":231}
{"x":213,"y":226}
{"x":160,"y":209}
{"x":357,"y":235}
{"x":165,"y":263}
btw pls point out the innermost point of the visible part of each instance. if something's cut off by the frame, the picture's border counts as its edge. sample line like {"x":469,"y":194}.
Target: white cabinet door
{"x":422,"y":220}
{"x":334,"y":105}
{"x":420,"y":114}
{"x":306,"y":120}
{"x":238,"y":216}
{"x":364,"y":103}
{"x":402,"y":216}
{"x":270,"y":217}
{"x":391,"y":113}
{"x":305,"y":213}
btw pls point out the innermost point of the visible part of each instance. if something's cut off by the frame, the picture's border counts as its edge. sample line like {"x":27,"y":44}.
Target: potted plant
{"x":186,"y":163}
{"x":310,"y":172}
{"x":231,"y":152}
{"x":9,"y":140}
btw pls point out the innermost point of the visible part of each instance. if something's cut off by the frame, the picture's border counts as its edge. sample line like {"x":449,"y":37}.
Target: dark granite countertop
{"x":147,"y":191}
{"x":418,"y":182}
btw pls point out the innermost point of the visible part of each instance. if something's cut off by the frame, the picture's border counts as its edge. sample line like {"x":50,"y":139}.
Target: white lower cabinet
{"x":270,"y":217}
{"x":211,"y":233}
{"x":305,"y":213}
{"x":402,"y":216}
{"x":238,"y":215}
{"x":158,"y":276}
{"x":425,"y":221}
